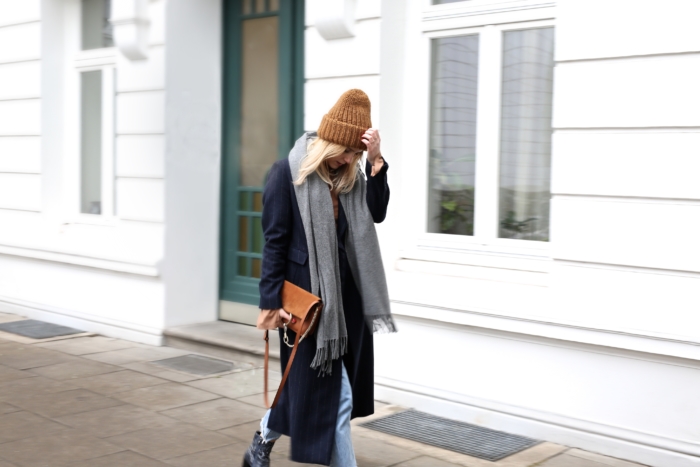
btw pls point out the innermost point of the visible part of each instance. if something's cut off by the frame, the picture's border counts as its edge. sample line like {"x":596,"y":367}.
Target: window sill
{"x":533,"y":328}
{"x":500,"y":253}
{"x":481,"y":7}
{"x":135,"y":249}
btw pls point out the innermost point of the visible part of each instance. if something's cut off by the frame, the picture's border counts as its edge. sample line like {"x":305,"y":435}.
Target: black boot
{"x":258,"y":453}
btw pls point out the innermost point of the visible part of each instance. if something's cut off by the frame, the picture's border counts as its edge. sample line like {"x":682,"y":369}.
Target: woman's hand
{"x":373,"y":142}
{"x":284,"y":316}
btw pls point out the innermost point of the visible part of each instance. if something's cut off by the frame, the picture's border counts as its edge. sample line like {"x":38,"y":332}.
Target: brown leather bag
{"x":305,"y":309}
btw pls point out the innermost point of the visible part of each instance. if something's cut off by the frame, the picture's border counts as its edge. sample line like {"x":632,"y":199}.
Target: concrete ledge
{"x":225,"y":340}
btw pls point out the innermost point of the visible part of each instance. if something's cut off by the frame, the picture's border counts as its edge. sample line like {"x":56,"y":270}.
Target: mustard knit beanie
{"x":347,"y":120}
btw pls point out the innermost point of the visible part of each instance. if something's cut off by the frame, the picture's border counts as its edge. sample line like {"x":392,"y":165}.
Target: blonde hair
{"x":318,"y":153}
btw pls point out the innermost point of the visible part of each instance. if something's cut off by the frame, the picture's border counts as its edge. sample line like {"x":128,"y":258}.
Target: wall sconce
{"x":335,"y":19}
{"x":131,"y":25}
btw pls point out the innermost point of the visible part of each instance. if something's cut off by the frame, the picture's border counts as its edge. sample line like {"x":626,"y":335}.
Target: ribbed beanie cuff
{"x":347,"y":120}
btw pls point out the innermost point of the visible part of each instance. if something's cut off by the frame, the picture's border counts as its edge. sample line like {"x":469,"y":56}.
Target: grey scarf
{"x":364,"y":257}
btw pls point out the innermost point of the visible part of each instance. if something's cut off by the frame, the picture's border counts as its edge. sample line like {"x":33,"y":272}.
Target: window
{"x":94,"y":65}
{"x":95,"y":26}
{"x":455,"y":62}
{"x":490,"y":133}
{"x":526,"y":134}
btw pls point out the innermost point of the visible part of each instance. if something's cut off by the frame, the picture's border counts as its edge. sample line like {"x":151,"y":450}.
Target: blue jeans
{"x":343,"y":455}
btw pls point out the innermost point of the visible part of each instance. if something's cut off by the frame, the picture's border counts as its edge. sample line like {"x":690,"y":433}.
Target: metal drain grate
{"x":472,"y":440}
{"x":37,"y":329}
{"x":196,"y":364}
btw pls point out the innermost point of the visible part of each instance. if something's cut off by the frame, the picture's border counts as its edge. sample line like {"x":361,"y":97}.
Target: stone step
{"x":226,"y":340}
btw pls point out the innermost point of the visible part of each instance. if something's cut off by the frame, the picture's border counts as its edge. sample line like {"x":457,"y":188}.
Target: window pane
{"x":96,"y":28}
{"x":526,"y":134}
{"x":453,"y":135}
{"x":91,"y":142}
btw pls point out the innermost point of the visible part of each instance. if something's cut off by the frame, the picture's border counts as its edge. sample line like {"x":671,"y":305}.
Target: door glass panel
{"x":243,"y":233}
{"x":274,"y":5}
{"x":247,"y":6}
{"x":244,"y":201}
{"x":257,"y":202}
{"x":526,"y":134}
{"x":260,"y":6}
{"x":256,"y":268}
{"x":259,"y":99}
{"x":242,"y":266}
{"x":257,"y":235}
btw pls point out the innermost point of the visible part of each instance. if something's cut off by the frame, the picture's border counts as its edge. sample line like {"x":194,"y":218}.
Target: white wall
{"x":333,"y":67}
{"x":591,"y":341}
{"x":193,"y":160}
{"x":95,"y":274}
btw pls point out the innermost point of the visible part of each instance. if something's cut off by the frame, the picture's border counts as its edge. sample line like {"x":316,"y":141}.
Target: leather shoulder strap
{"x":286,"y":370}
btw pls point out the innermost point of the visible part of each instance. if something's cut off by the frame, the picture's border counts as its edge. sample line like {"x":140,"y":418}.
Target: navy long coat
{"x":308,"y":406}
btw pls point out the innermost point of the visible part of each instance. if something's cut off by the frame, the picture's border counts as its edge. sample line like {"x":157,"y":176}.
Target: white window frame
{"x":81,"y":61}
{"x":489,"y":19}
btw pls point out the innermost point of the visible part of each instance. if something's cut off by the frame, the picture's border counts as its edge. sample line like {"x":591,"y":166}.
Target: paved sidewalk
{"x":92,"y":401}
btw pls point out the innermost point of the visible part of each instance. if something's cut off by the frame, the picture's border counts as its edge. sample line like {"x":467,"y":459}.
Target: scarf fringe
{"x":332,"y":349}
{"x":381,"y":324}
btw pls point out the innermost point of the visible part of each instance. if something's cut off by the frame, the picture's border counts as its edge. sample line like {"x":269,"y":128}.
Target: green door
{"x":262,"y":116}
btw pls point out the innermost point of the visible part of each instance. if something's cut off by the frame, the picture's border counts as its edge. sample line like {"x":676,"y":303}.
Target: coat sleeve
{"x":277,"y":230}
{"x":377,"y":192}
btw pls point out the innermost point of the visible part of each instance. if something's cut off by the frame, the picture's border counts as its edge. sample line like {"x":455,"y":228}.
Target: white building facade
{"x":135,"y":136}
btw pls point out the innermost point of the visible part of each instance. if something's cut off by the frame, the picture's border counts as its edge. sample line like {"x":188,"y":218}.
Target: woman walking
{"x":318,"y":220}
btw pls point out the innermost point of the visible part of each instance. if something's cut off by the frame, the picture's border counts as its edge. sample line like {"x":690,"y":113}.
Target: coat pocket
{"x":298,"y":256}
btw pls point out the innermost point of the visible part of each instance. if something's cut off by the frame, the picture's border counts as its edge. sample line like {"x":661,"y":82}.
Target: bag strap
{"x":286,"y":370}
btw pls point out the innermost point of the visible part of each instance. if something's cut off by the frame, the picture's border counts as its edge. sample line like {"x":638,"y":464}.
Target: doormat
{"x":196,"y":364}
{"x":37,"y":329}
{"x":464,"y":438}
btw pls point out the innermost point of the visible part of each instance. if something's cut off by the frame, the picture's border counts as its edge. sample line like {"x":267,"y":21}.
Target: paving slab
{"x":74,"y":369}
{"x":88,"y":345}
{"x":244,"y":383}
{"x":56,"y":450}
{"x":10,"y":374}
{"x":114,"y":421}
{"x":165,"y":396}
{"x":120,"y":381}
{"x":135,"y":354}
{"x":170,"y":442}
{"x":375,"y":449}
{"x":217,"y":414}
{"x":120,"y":459}
{"x":160,"y":372}
{"x":422,"y":461}
{"x":243,"y":432}
{"x":566,"y":460}
{"x":225,"y":456}
{"x":22,"y":424}
{"x":24,"y":357}
{"x":7,"y":408}
{"x":65,"y":402}
{"x":20,"y":388}
{"x":257,"y":399}
{"x":605,"y":460}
